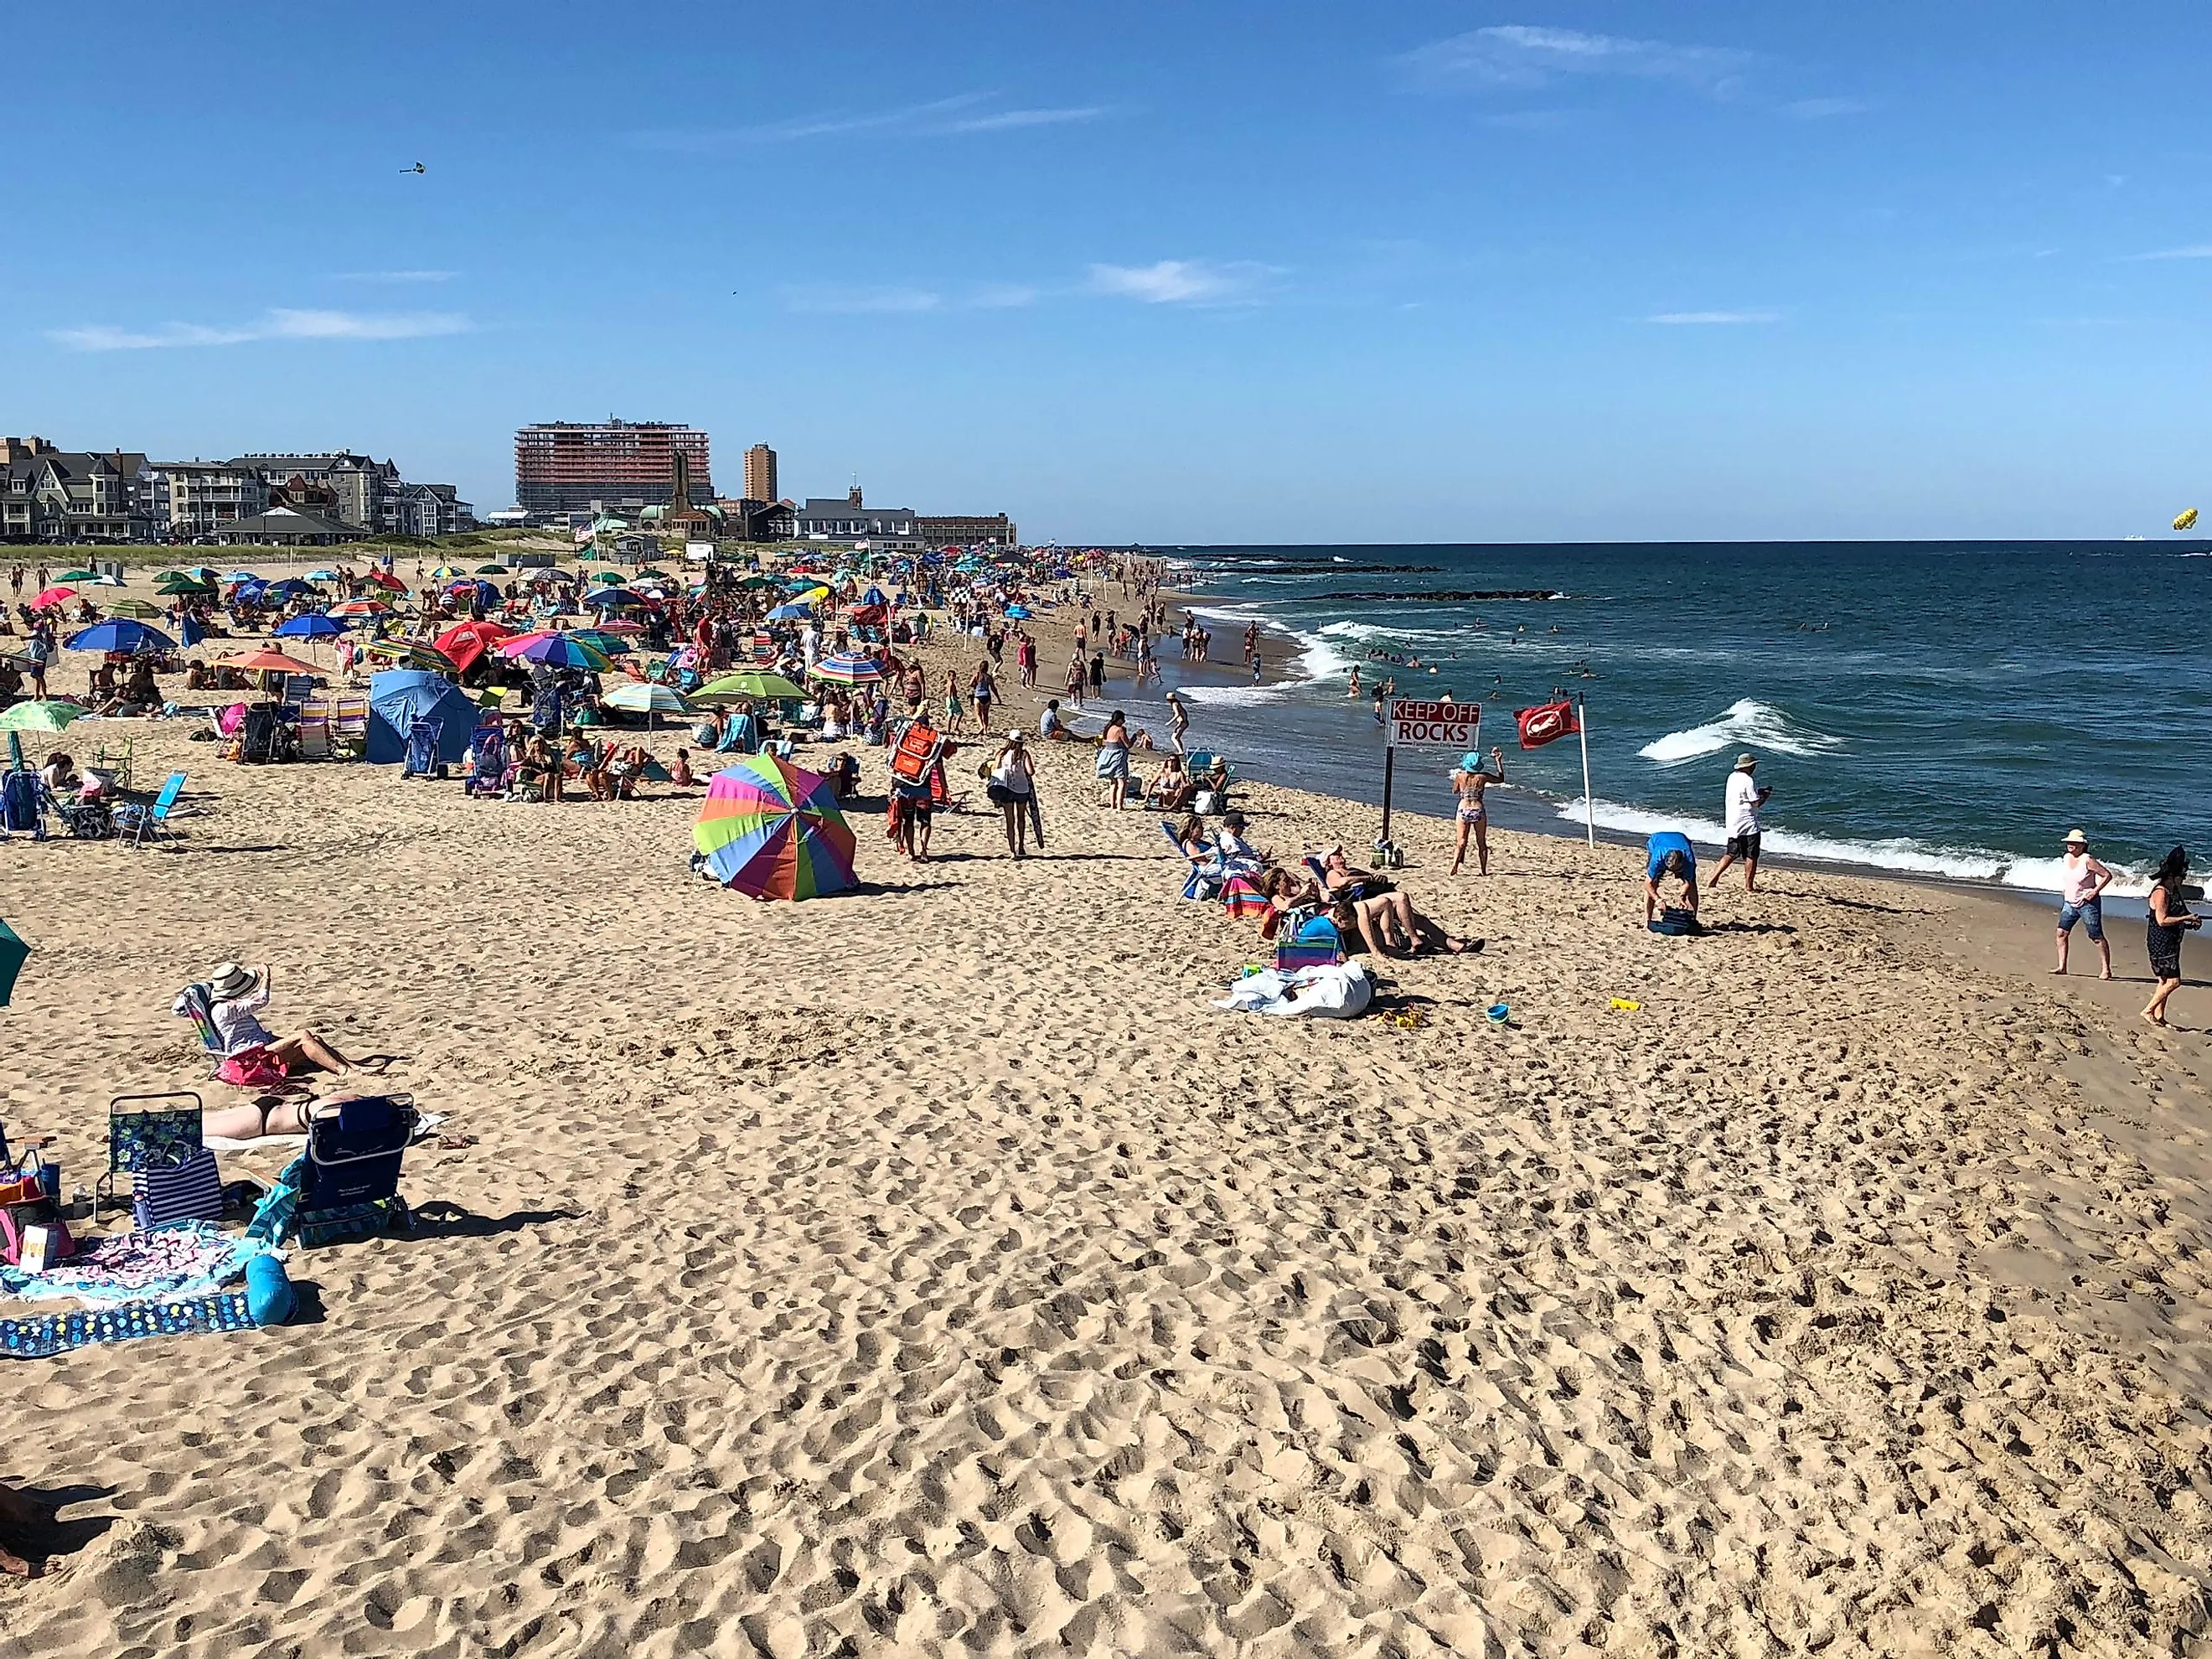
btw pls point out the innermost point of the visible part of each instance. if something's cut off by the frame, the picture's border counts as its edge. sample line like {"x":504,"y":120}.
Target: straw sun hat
{"x":230,"y":980}
{"x":2077,"y":838}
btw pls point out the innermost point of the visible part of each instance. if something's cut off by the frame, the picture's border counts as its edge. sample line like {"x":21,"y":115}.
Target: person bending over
{"x":1669,"y":856}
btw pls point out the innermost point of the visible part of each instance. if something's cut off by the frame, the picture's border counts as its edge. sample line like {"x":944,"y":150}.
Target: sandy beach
{"x":929,"y":1270}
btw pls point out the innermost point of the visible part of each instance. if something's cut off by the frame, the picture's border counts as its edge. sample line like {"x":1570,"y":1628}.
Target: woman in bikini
{"x":1469,"y":779}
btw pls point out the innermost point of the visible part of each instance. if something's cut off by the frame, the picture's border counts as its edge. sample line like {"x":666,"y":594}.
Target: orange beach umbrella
{"x":270,"y":662}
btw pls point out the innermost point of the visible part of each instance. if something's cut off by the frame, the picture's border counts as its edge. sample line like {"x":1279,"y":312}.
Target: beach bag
{"x":25,"y":1203}
{"x":18,"y":800}
{"x":190,"y":1191}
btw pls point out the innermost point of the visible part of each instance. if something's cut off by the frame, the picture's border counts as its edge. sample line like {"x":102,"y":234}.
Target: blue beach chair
{"x":147,"y":823}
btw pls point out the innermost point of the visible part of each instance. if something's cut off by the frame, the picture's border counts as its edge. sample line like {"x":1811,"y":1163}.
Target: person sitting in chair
{"x":1172,"y":787}
{"x":253,"y":1056}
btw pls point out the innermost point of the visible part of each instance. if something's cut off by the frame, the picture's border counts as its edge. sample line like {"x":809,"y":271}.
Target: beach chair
{"x":346,"y":1184}
{"x":349,"y":726}
{"x":116,"y":761}
{"x":297,"y":689}
{"x":314,"y":731}
{"x":148,"y":821}
{"x":85,"y":820}
{"x":146,"y":1132}
{"x":1198,"y":884}
{"x":422,"y":749}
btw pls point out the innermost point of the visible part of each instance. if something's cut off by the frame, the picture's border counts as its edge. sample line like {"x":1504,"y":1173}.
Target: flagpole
{"x":1589,"y":807}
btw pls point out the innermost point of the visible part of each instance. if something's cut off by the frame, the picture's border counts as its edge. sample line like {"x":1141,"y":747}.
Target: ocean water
{"x":1943,"y":709}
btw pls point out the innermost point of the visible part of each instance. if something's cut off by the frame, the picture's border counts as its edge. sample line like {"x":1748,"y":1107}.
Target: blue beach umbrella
{"x":119,"y":634}
{"x":790,"y":613}
{"x":875,"y":596}
{"x":190,"y":631}
{"x":314,"y":626}
{"x":291,"y":588}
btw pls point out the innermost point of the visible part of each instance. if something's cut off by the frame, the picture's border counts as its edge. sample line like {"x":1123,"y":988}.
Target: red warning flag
{"x":1546,"y":722}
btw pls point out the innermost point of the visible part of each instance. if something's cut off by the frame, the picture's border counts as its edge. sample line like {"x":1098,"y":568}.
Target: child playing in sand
{"x":679,"y":772}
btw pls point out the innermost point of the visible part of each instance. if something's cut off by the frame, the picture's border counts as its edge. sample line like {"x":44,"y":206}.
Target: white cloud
{"x":1179,"y":281}
{"x":1715,"y":317}
{"x":2201,"y":250}
{"x":1521,"y":56}
{"x":282,"y":324}
{"x":937,"y":119}
{"x":1026,"y":118}
{"x":396,"y":276}
{"x":1824,"y":109}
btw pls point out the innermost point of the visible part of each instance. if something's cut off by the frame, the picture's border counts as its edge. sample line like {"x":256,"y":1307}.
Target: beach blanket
{"x":1341,"y":992}
{"x":188,"y":1260}
{"x":53,"y":1333}
{"x":1244,"y":898}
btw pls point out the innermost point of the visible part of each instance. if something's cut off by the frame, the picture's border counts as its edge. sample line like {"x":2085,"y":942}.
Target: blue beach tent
{"x":400,"y":697}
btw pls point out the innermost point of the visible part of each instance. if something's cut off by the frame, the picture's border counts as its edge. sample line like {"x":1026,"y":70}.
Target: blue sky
{"x":1171,"y":272}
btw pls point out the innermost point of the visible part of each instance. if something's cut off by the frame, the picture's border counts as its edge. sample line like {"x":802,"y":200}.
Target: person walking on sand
{"x":954,"y":703}
{"x":2169,"y":919}
{"x":1469,"y":779}
{"x":2082,"y":899}
{"x":1745,"y":798}
{"x":1012,"y":784}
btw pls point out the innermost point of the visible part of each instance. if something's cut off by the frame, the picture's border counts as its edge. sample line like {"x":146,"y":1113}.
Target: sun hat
{"x":229,"y":980}
{"x":1744,"y":763}
{"x":2073,"y":835}
{"x":1471,"y":761}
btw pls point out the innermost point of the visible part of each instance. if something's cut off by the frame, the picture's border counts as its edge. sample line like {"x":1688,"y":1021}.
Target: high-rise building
{"x":563,"y":466}
{"x":760,"y":473}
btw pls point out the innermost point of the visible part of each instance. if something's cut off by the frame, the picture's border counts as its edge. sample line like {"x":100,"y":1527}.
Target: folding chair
{"x":346,"y":1184}
{"x":297,"y":688}
{"x":85,"y":820}
{"x":147,"y":823}
{"x":1200,"y":885}
{"x":115,"y":762}
{"x":159,"y":1132}
{"x":349,"y":726}
{"x":314,"y":731}
{"x":487,"y":760}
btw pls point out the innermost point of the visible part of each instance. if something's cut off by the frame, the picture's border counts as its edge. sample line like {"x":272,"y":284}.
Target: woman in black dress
{"x":2170,"y":918}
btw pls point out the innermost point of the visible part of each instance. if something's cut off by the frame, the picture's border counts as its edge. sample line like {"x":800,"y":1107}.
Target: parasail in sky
{"x":2187,"y":521}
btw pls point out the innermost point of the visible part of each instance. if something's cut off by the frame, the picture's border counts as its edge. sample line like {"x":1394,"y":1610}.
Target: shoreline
{"x":1538,"y":812}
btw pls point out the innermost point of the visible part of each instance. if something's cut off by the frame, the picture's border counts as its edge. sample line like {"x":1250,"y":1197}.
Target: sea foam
{"x":1745,"y":724}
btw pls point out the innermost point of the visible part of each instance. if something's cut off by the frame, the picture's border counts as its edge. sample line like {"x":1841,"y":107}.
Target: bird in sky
{"x":417,"y":168}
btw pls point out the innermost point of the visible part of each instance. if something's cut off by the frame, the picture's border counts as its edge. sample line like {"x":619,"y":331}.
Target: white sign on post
{"x":1416,"y":724}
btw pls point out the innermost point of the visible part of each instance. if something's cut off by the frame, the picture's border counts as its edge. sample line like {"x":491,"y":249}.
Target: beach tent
{"x":400,"y":697}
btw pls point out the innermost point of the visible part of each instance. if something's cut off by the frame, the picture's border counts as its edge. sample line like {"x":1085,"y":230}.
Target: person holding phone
{"x":2169,"y":919}
{"x":1744,"y":799}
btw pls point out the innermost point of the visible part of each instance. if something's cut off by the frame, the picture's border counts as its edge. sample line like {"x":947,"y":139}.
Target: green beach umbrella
{"x":47,"y":716}
{"x":78,"y":576}
{"x":491,"y":570}
{"x":12,"y":952}
{"x":184,"y":585}
{"x":133,"y":608}
{"x":755,"y":682}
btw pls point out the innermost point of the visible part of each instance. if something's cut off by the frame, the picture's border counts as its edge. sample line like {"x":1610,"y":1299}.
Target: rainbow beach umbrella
{"x":774,"y":830}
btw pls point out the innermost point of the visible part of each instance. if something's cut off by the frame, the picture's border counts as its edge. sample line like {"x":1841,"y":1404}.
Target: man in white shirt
{"x":1745,"y":798}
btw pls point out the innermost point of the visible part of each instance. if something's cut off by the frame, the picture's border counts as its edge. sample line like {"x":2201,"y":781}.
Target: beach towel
{"x":1341,"y":992}
{"x":1241,"y":898}
{"x":190,"y":1259}
{"x":52,"y":1334}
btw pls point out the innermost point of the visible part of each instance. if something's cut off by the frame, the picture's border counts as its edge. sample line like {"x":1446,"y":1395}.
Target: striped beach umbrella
{"x":360,"y":608}
{"x":411,"y":654}
{"x":644,"y":697}
{"x":558,"y":649}
{"x":138,"y":609}
{"x":848,"y":668}
{"x":770,"y":830}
